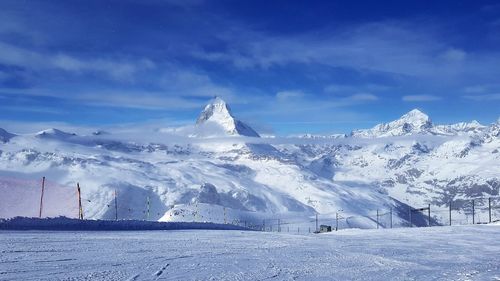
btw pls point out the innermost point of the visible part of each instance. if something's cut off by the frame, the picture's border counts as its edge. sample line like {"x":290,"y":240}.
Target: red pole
{"x":41,"y":198}
{"x":80,"y":209}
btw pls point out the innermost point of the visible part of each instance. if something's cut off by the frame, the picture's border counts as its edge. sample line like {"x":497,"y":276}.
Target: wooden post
{"x":279,"y":225}
{"x":377,"y":218}
{"x":391,"y":216}
{"x":264,"y":224}
{"x":450,"y":213}
{"x":116,"y":207}
{"x":336,"y":221}
{"x":148,"y":206}
{"x":489,"y":210}
{"x":409,"y":215}
{"x":225,"y":219}
{"x":473,"y":212}
{"x":80,"y":208}
{"x":316,"y":222}
{"x":429,"y":214}
{"x":41,"y":197}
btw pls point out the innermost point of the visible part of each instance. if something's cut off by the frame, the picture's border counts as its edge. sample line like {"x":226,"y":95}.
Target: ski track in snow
{"x":438,"y":253}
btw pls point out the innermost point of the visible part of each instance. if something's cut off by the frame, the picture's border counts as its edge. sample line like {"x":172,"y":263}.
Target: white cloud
{"x":287,"y":95}
{"x":362,"y":97}
{"x":397,"y":48}
{"x":115,"y":69}
{"x":420,"y":98}
{"x":184,"y":82}
{"x":454,"y":55}
{"x":488,"y":97}
{"x":475,"y":89}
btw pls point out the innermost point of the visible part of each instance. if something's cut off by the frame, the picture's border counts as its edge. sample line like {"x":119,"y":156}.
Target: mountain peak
{"x":5,"y":136}
{"x":54,"y":133}
{"x":415,"y":121}
{"x":217,"y":108}
{"x":217,"y":112}
{"x":415,"y":116}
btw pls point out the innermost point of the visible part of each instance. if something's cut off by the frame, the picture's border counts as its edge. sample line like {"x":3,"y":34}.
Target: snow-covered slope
{"x":233,"y":178}
{"x":217,"y":115}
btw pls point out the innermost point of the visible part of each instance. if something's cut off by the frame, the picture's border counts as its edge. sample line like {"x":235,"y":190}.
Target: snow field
{"x":440,"y":253}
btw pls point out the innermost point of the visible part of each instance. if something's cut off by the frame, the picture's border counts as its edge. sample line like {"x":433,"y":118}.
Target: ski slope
{"x":437,"y":253}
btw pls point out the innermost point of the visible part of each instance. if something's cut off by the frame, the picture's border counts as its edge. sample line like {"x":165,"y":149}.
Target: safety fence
{"x":480,"y":210}
{"x":51,"y":200}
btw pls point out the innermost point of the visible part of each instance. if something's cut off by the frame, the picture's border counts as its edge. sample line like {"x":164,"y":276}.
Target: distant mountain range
{"x":221,"y":170}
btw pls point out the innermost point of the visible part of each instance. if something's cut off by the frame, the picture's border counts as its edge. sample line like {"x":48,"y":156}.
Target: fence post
{"x":264,"y":225}
{"x":316,"y":221}
{"x":409,"y":215}
{"x":391,"y":217}
{"x":429,"y":214}
{"x":116,"y":207}
{"x":473,"y":212}
{"x":298,"y":229}
{"x":489,"y":209}
{"x":41,"y":197}
{"x":450,"y":213}
{"x":147,"y":207}
{"x":377,"y":218}
{"x":336,"y":221}
{"x":279,"y":225}
{"x":80,"y":208}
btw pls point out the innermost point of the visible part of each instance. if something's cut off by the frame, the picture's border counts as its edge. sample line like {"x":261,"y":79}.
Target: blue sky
{"x":284,"y":66}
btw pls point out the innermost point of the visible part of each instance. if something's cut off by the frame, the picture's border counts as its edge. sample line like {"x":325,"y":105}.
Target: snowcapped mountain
{"x":413,"y":122}
{"x":5,"y":136}
{"x":417,"y":122}
{"x":217,"y":115}
{"x":409,"y":161}
{"x":54,"y":134}
{"x":313,"y":136}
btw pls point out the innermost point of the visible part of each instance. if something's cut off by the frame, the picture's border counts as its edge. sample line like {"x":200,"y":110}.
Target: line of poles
{"x":337,"y":215}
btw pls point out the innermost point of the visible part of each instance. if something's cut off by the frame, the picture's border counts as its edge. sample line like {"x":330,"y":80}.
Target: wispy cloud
{"x":488,"y":97}
{"x":420,"y":98}
{"x":35,"y":60}
{"x":287,"y":95}
{"x":362,"y":97}
{"x":403,"y":48}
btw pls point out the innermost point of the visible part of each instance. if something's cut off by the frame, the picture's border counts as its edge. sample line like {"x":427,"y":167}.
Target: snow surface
{"x":437,"y":253}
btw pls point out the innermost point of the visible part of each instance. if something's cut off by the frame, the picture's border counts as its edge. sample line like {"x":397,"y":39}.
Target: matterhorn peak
{"x":217,"y":108}
{"x":217,"y":112}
